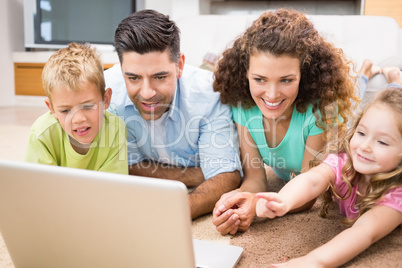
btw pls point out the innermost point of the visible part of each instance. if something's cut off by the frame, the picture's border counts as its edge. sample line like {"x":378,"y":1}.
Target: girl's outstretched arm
{"x":369,"y":228}
{"x":296,"y":193}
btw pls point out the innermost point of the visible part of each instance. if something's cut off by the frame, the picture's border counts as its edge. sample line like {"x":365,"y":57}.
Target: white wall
{"x":176,"y":8}
{"x":184,"y":8}
{"x":163,"y":6}
{"x":12,"y":36}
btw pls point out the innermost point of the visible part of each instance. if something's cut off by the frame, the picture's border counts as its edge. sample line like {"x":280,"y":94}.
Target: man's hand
{"x":205,"y":196}
{"x":234,"y":212}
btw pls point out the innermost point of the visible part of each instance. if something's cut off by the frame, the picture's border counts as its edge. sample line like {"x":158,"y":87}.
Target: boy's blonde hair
{"x":72,"y":66}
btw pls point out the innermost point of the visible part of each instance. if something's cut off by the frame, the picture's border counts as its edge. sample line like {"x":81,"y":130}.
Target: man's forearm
{"x":203,"y":199}
{"x":190,"y":176}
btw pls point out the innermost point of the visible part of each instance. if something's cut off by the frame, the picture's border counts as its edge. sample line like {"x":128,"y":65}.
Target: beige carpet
{"x":12,"y":146}
{"x":273,"y":241}
{"x":13,"y":140}
{"x":267,"y":241}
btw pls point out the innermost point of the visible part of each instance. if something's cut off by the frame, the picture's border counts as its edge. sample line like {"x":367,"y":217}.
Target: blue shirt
{"x":199,"y":129}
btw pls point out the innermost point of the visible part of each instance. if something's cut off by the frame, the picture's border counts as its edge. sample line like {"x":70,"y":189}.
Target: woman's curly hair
{"x":326,"y":80}
{"x":380,"y":184}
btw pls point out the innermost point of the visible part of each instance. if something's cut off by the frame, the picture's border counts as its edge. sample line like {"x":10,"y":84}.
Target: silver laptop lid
{"x":63,"y":217}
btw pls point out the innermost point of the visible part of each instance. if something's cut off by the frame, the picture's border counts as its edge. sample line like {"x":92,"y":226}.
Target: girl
{"x":364,"y":178}
{"x":289,"y":90}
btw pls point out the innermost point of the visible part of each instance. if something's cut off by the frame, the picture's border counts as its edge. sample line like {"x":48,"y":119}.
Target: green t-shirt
{"x":49,"y":144}
{"x":285,"y":159}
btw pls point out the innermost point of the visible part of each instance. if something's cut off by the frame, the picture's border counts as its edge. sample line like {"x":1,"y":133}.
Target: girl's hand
{"x":270,"y":205}
{"x":301,"y":262}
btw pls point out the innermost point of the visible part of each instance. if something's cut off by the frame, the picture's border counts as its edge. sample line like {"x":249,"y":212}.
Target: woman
{"x":290,"y":91}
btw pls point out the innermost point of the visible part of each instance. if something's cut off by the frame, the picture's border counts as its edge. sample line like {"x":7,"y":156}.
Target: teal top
{"x":285,"y":159}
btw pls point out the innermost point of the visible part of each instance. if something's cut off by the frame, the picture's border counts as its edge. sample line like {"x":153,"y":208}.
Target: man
{"x":177,"y":127}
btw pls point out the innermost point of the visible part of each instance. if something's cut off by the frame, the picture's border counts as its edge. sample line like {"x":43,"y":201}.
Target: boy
{"x":77,"y":132}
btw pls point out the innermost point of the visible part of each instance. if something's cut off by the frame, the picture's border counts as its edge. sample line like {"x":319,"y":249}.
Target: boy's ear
{"x":107,"y":98}
{"x":49,"y":105}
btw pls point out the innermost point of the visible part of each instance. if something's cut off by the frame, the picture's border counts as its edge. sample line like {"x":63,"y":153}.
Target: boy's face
{"x":151,"y":80}
{"x":80,"y":112}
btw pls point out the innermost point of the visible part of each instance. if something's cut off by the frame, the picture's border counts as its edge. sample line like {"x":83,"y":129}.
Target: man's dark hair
{"x":147,"y":31}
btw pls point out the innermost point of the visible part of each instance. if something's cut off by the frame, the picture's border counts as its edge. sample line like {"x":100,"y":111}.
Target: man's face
{"x":151,"y":81}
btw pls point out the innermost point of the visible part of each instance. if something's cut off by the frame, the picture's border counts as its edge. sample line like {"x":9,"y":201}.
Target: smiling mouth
{"x":359,"y":156}
{"x":150,"y":105}
{"x":273,"y":104}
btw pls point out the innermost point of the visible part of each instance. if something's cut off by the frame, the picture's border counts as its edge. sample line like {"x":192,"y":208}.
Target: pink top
{"x":392,"y":199}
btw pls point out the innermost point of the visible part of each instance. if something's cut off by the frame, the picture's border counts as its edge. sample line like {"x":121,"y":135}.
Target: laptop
{"x":54,"y":216}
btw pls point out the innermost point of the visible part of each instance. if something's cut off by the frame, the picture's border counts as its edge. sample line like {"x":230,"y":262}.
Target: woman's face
{"x":274,"y":83}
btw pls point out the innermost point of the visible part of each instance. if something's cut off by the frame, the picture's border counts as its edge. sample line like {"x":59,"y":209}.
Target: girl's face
{"x":274,"y":83}
{"x":376,"y":145}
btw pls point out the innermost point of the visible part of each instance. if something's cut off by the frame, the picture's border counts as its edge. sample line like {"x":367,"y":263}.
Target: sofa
{"x":375,"y":37}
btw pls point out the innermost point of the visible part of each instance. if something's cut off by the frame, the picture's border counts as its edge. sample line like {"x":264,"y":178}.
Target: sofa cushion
{"x":361,"y":37}
{"x":393,"y":61}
